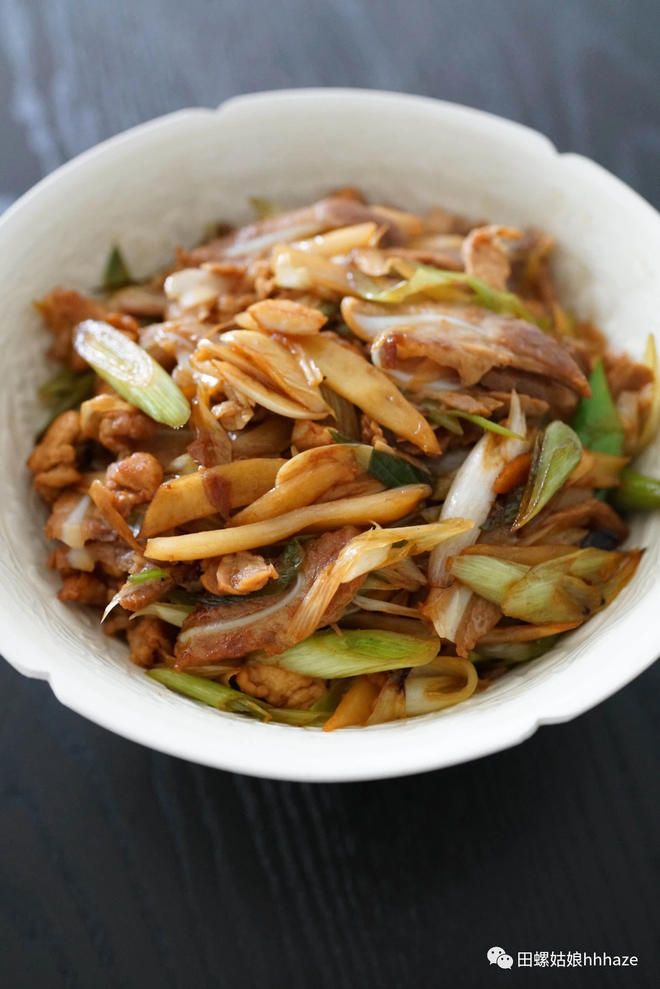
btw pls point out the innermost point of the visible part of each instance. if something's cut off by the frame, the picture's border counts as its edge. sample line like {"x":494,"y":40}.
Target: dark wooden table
{"x":123,"y":868}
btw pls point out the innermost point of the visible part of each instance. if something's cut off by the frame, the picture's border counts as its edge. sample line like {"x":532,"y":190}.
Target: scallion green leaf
{"x":426,"y":280}
{"x":340,"y":437}
{"x":557,"y":453}
{"x":329,"y":655}
{"x":565,"y":589}
{"x":513,"y":652}
{"x":442,"y":417}
{"x":134,"y":375}
{"x":548,"y":596}
{"x":209,"y":692}
{"x":145,"y":575}
{"x":328,"y":701}
{"x":116,"y":274}
{"x":596,"y":421}
{"x":487,"y":576}
{"x":394,"y":472}
{"x":448,"y":418}
{"x":388,"y":468}
{"x":227,"y":699}
{"x":637,"y":492}
{"x":289,"y":564}
{"x":498,"y":301}
{"x":489,"y":425}
{"x":64,"y":391}
{"x":309,"y":718}
{"x":264,"y":208}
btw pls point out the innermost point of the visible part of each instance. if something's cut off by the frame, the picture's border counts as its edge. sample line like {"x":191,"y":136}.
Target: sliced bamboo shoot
{"x":386,"y":506}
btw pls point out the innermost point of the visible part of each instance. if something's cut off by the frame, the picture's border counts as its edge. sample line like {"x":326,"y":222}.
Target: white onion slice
{"x":72,"y":531}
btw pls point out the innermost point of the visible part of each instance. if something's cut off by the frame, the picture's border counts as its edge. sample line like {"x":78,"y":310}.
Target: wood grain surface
{"x":123,"y":868}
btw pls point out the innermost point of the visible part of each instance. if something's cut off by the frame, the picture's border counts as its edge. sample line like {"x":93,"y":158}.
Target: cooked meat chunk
{"x":59,"y":560}
{"x":150,"y":640}
{"x":286,"y":338}
{"x":327,"y":214}
{"x":171,"y":341}
{"x":286,"y":316}
{"x":471,"y":342}
{"x":370,"y":431}
{"x":85,"y":588}
{"x":531,"y":274}
{"x":211,"y":634}
{"x":479,"y":617}
{"x":485,"y":255}
{"x":308,"y":434}
{"x":237,"y":573}
{"x":573,"y":509}
{"x":560,"y":401}
{"x":53,"y":461}
{"x":277,"y":686}
{"x":476,"y":402}
{"x":62,"y":310}
{"x":624,"y":374}
{"x":114,"y":557}
{"x":115,"y":424}
{"x":116,"y":623}
{"x":133,"y":480}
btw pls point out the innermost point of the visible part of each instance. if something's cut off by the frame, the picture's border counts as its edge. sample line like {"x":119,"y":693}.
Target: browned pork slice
{"x":485,"y":254}
{"x":476,"y":401}
{"x":298,"y":224}
{"x":465,"y":339}
{"x":559,"y":400}
{"x":214,"y":633}
{"x":574,"y":510}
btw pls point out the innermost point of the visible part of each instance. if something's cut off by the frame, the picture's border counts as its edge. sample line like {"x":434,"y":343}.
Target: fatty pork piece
{"x":214,"y":633}
{"x":308,"y":221}
{"x":466,"y":340}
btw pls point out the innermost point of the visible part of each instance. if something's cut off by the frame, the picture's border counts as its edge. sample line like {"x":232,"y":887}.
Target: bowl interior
{"x":159,"y":186}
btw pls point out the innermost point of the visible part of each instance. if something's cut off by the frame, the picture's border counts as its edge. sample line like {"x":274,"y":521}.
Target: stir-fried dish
{"x":341,"y":466}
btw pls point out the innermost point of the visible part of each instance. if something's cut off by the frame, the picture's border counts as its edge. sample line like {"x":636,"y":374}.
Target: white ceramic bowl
{"x":159,"y":185}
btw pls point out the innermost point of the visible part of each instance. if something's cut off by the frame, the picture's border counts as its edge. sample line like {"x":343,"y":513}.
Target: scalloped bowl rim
{"x":110,"y":696}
